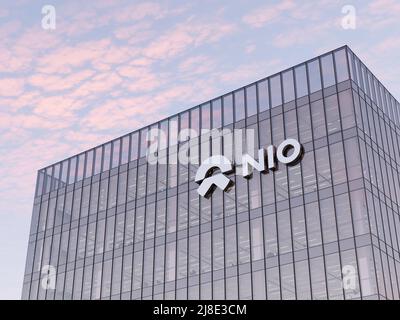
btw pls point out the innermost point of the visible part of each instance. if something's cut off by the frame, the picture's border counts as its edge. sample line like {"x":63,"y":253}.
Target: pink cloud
{"x":186,"y":35}
{"x":59,"y":107}
{"x":101,"y":82}
{"x":307,"y":34}
{"x":63,"y":59}
{"x":23,"y":100}
{"x":48,"y":82}
{"x":196,"y":65}
{"x":11,"y":87}
{"x":3,"y":12}
{"x":267,"y":14}
{"x":248,"y":72}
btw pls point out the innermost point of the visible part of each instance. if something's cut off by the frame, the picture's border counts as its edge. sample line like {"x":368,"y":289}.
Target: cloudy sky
{"x":112,"y":66}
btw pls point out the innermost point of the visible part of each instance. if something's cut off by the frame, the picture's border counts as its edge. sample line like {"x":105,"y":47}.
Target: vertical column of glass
{"x":160,"y":222}
{"x":183,"y":209}
{"x":194,"y":203}
{"x":138,"y":244}
{"x":301,"y":254}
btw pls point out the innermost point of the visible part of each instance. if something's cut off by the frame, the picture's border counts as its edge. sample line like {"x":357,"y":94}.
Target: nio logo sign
{"x":207,"y":168}
{"x":267,"y":160}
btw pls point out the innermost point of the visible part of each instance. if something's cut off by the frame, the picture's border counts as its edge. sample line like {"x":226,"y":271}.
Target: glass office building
{"x":108,"y":224}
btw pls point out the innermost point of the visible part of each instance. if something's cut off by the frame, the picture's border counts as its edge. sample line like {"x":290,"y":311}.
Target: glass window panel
{"x":251,"y":100}
{"x":76,"y":203}
{"x":205,"y":251}
{"x":148,"y":267}
{"x":182,"y":259}
{"x":318,"y":119}
{"x":367,"y":271}
{"x":328,"y":220}
{"x":318,"y":284}
{"x":313,"y":224}
{"x":328,"y":72}
{"x":244,"y":242}
{"x":287,"y":282}
{"x":299,"y":228}
{"x":116,"y":276}
{"x":129,"y":227}
{"x":245,"y":287}
{"x":161,"y":215}
{"x":263,"y":95}
{"x":257,"y":240}
{"x":112,"y":193}
{"x":228,"y":109}
{"x":56,"y":177}
{"x":134,"y":146}
{"x":349,"y":260}
{"x":323,"y":167}
{"x":184,"y":120}
{"x":270,"y":237}
{"x":205,"y":116}
{"x":353,"y":161}
{"x":125,"y":150}
{"x":216,"y":113}
{"x":284,"y":232}
{"x":72,"y":170}
{"x":334,"y":277}
{"x":171,"y":214}
{"x":139,"y":224}
{"x":89,"y":164}
{"x":276,"y":94}
{"x":103,"y":194}
{"x":364,"y":78}
{"x":343,"y":212}
{"x":159,"y":264}
{"x":314,"y":76}
{"x":173,"y":131}
{"x":304,"y":121}
{"x":239,"y":105}
{"x":332,"y":114}
{"x":137,"y":272}
{"x":346,"y":110}
{"x":109,"y":241}
{"x":170,"y":257}
{"x":143,"y":142}
{"x":195,"y":120}
{"x":122,"y":183}
{"x":273,"y":284}
{"x":288,"y":85}
{"x":259,"y":285}
{"x":303,"y":290}
{"x":337,"y":163}
{"x":301,"y":81}
{"x":81,"y":167}
{"x":116,"y":153}
{"x":97,"y":160}
{"x":352,"y":66}
{"x":230,"y":246}
{"x":107,"y":157}
{"x":49,"y":178}
{"x":68,"y":208}
{"x":100,"y":231}
{"x":64,"y":172}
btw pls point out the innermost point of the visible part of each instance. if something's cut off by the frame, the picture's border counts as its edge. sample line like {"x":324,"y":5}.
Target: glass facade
{"x":109,"y":224}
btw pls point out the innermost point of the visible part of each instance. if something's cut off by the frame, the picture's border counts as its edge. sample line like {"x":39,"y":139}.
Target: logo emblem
{"x":208,"y":180}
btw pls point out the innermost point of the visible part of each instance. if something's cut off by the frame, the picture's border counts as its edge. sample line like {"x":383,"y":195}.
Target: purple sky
{"x":112,"y":66}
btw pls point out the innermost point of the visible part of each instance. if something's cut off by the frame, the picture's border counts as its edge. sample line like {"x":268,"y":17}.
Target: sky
{"x":108,"y":67}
